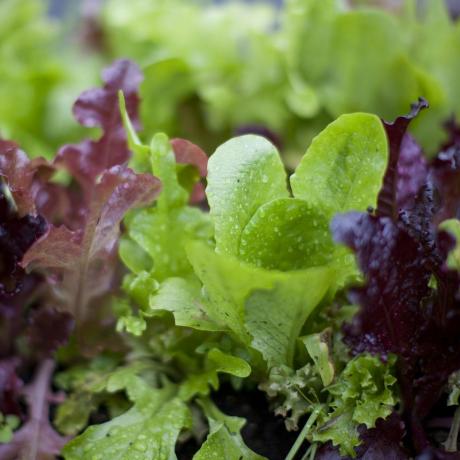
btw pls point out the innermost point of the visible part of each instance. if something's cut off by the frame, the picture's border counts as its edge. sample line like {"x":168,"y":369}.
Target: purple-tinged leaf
{"x":13,"y":314}
{"x":453,"y":7}
{"x":412,"y":172}
{"x":36,"y":439}
{"x":22,"y":176}
{"x":396,"y":282}
{"x":48,"y":330}
{"x":82,"y":262}
{"x":99,"y":108}
{"x":29,"y":184}
{"x":400,"y":313}
{"x":431,"y":453}
{"x":16,"y":236}
{"x":189,"y":153}
{"x":10,"y":387}
{"x":61,"y":205}
{"x":380,"y":443}
{"x":387,"y":202}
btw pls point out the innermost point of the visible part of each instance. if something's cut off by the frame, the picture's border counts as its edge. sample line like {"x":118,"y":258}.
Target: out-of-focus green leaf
{"x":454,"y":389}
{"x":86,"y":386}
{"x":453,"y":227}
{"x":8,"y":423}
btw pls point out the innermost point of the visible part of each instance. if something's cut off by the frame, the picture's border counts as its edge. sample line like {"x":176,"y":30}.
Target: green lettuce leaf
{"x":227,"y":284}
{"x":294,"y":392}
{"x":453,"y":227}
{"x":161,"y":231}
{"x":343,"y":168}
{"x":86,"y":386}
{"x":216,"y":362}
{"x":154,"y":248}
{"x":148,"y":431}
{"x":319,"y":349}
{"x":183,"y":298}
{"x":264,"y":309}
{"x":364,"y":392}
{"x":8,"y":423}
{"x":224,"y":439}
{"x":286,"y":234}
{"x":244,"y":173}
{"x":275,"y":317}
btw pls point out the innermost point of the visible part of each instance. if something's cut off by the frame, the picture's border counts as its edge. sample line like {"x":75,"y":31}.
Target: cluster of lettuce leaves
{"x":313,"y":55}
{"x":293,"y":69}
{"x":333,"y":291}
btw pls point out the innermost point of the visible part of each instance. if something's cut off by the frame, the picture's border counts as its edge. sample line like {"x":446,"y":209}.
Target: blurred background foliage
{"x":213,"y":69}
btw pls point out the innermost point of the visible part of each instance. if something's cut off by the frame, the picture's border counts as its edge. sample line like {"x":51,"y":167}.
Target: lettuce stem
{"x":303,"y":434}
{"x":451,"y":441}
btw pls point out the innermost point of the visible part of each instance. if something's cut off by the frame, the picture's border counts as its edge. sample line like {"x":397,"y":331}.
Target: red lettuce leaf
{"x":189,"y":153}
{"x":48,"y":329}
{"x":23,"y":177}
{"x":82,"y":262}
{"x":394,"y":183}
{"x":412,"y":172}
{"x":12,"y":318}
{"x":29,"y":184}
{"x":20,"y":227}
{"x":36,"y":438}
{"x":396,"y":282}
{"x":399,"y":312}
{"x":98,"y":107}
{"x":17,"y":234}
{"x":400,"y":252}
{"x":61,"y":205}
{"x":10,"y":387}
{"x":380,"y":443}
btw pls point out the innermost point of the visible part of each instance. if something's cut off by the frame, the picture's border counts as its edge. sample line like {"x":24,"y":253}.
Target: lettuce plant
{"x":69,"y":233}
{"x":332,"y":292}
{"x":240,"y":284}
